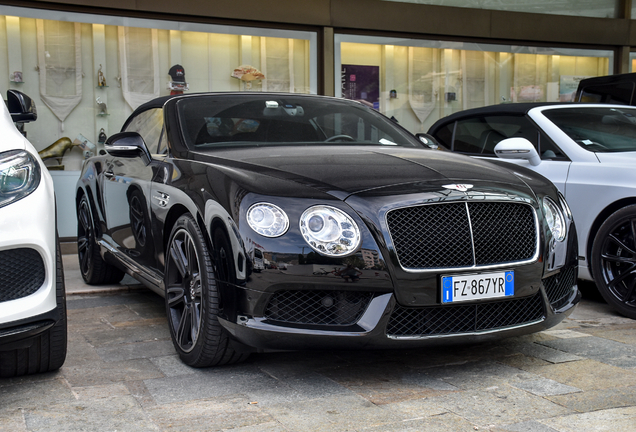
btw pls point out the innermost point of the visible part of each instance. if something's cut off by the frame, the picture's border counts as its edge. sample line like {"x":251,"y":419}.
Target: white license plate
{"x":478,"y":286}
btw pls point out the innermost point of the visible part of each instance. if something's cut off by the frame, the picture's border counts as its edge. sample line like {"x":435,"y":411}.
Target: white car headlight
{"x":267,"y":219}
{"x":329,"y":231}
{"x":554,"y":218}
{"x":19,"y":176}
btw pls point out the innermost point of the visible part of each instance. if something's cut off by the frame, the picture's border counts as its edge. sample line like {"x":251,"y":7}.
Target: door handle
{"x":109,"y":174}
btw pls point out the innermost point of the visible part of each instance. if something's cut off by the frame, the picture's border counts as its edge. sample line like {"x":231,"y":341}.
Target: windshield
{"x":598,"y":129}
{"x":217,"y":121}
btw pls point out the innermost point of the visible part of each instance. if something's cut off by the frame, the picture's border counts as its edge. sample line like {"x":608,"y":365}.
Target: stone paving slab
{"x":499,"y":404}
{"x":214,"y":414}
{"x":118,"y":413}
{"x":545,"y":387}
{"x":604,"y":350}
{"x":611,"y":420}
{"x":586,"y":374}
{"x":595,"y":400}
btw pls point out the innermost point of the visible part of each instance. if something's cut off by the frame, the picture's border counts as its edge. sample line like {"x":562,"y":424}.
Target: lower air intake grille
{"x":21,"y":273}
{"x":457,"y":319}
{"x":558,"y":287}
{"x":318,"y":307}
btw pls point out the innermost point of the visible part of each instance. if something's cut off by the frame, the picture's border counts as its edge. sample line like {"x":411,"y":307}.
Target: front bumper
{"x":28,"y":226}
{"x":386,"y":324}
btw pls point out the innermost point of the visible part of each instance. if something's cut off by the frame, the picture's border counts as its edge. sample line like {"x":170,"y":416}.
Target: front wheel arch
{"x":614,"y":260}
{"x":596,"y":225}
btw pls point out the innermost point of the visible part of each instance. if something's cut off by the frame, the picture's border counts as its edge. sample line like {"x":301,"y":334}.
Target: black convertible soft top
{"x":501,"y":109}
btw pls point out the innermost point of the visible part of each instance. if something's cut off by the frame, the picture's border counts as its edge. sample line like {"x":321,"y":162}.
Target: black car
{"x":364,"y":237}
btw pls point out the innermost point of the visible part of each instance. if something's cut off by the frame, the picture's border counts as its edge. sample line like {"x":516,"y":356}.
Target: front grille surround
{"x":22,"y":273}
{"x":457,"y":235}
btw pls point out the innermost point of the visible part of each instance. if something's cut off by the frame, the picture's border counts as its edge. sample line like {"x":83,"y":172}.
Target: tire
{"x":47,"y":351}
{"x":614,"y":261}
{"x":93,"y":268}
{"x":192,"y":300}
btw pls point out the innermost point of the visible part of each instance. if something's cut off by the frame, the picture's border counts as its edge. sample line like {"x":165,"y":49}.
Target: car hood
{"x":622,"y":158}
{"x":346,"y":170}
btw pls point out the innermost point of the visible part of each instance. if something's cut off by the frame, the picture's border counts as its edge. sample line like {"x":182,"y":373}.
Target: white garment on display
{"x":423,"y":85}
{"x":60,"y":65}
{"x":139,"y":61}
{"x":277,"y":64}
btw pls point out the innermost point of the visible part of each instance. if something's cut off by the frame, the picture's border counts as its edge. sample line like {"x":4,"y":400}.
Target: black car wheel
{"x":192,"y":300}
{"x":614,"y":261}
{"x":93,"y":268}
{"x":47,"y":351}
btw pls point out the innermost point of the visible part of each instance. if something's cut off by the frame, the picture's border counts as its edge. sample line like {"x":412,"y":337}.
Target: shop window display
{"x":89,"y":73}
{"x":423,"y":81}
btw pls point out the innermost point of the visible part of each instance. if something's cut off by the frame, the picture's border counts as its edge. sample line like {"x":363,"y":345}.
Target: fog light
{"x":327,"y":301}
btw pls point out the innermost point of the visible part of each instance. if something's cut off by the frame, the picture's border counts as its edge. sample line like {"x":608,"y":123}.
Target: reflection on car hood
{"x":624,"y":158}
{"x":354,"y":169}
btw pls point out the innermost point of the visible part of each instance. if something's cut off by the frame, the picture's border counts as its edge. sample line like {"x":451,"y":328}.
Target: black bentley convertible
{"x":281,"y":221}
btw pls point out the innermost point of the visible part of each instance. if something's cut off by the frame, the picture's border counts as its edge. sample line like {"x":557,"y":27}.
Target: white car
{"x":32,"y":296}
{"x":589,"y":152}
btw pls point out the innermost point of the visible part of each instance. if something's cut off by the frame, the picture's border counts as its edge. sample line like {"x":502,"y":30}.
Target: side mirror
{"x":427,"y":140}
{"x":127,"y":145}
{"x":517,"y":148}
{"x":21,"y":107}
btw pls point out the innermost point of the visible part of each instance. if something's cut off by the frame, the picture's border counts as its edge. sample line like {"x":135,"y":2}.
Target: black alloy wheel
{"x":614,"y":261}
{"x":192,"y":300}
{"x":183,"y":292}
{"x":93,"y":268}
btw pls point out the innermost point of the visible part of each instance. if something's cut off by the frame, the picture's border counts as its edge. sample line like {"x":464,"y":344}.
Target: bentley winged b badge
{"x":459,"y":187}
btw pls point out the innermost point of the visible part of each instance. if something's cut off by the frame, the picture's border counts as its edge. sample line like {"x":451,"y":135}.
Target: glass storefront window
{"x":87,"y":73}
{"x":587,"y":8}
{"x":418,"y":82}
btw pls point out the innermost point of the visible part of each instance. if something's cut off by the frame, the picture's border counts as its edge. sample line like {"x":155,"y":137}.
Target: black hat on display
{"x":177,"y":73}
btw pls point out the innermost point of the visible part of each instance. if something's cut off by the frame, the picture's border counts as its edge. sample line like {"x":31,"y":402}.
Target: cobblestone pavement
{"x":122,"y":374}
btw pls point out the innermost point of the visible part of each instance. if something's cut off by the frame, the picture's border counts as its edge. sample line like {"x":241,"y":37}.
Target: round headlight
{"x":554,"y":218}
{"x":267,"y":219}
{"x":329,"y":231}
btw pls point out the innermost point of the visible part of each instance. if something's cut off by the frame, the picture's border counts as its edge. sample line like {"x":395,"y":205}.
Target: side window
{"x":149,"y":124}
{"x":479,"y":136}
{"x":444,"y":135}
{"x":548,"y":149}
{"x":163,"y":143}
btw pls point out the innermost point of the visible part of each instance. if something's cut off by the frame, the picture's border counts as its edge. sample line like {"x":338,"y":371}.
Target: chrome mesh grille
{"x":443,"y":236}
{"x":22,"y":273}
{"x":317,"y":307}
{"x":559,"y":287}
{"x":457,"y":319}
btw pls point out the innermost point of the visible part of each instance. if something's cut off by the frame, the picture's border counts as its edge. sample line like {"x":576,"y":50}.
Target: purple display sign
{"x":361,"y":83}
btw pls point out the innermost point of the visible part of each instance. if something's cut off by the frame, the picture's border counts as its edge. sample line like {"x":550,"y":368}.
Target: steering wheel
{"x":340,"y":137}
